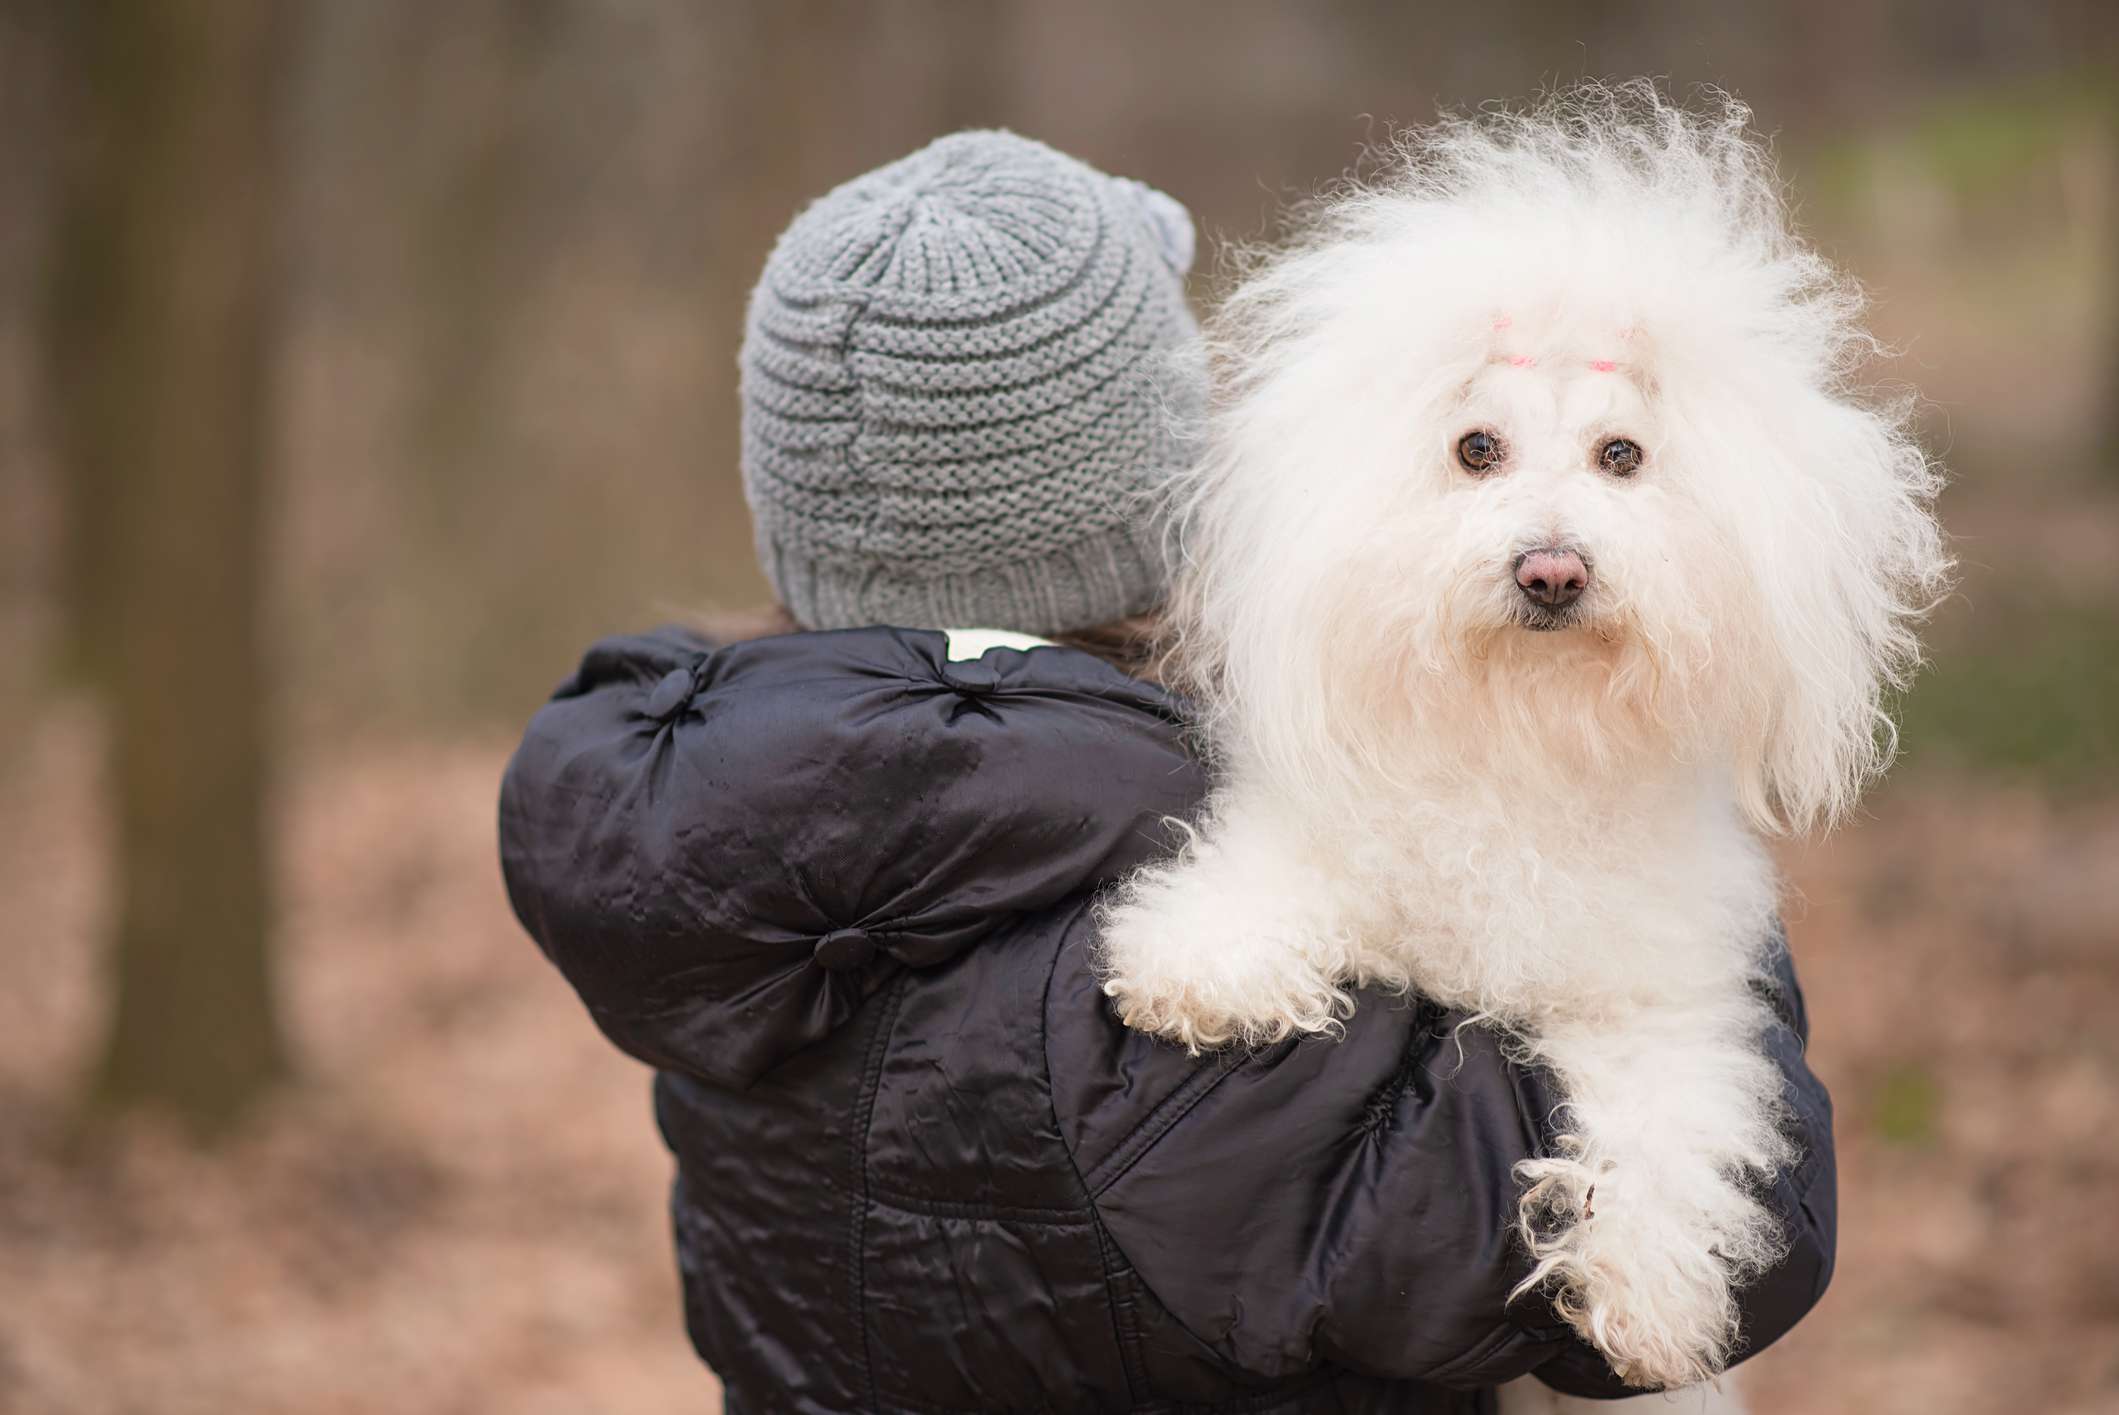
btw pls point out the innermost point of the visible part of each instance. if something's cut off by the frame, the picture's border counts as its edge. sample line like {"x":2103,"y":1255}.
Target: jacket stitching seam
{"x":1128,"y":1352}
{"x":1125,"y":1317}
{"x":1159,"y":1122}
{"x":864,"y":1114}
{"x":996,"y":1213}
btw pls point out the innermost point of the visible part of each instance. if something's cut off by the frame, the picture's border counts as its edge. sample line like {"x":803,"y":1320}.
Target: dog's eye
{"x":1480,"y":451}
{"x":1620,"y":457}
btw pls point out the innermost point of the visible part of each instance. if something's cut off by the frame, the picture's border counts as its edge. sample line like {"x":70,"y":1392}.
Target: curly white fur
{"x":1556,"y":829}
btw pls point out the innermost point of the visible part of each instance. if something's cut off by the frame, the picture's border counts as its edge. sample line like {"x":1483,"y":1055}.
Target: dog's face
{"x":1544,"y":569}
{"x":1560,"y":482}
{"x":1573,"y":490}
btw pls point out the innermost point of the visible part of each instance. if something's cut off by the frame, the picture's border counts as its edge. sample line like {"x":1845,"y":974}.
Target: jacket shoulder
{"x":727,"y":849}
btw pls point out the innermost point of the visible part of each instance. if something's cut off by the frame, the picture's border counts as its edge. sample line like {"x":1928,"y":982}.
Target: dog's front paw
{"x":1183,"y":970}
{"x":1641,"y":1286}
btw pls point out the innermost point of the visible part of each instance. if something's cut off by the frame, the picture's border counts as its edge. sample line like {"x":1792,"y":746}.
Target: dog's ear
{"x":1829,"y":501}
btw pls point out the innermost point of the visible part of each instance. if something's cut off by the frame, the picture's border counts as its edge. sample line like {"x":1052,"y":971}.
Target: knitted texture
{"x":960,"y":375}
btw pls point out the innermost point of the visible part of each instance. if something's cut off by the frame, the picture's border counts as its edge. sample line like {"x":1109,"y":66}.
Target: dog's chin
{"x":1539,"y":620}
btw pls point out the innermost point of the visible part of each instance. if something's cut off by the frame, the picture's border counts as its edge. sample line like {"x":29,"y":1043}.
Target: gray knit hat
{"x":959,"y":373}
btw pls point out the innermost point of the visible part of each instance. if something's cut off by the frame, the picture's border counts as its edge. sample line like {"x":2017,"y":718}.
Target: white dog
{"x":1541,"y":559}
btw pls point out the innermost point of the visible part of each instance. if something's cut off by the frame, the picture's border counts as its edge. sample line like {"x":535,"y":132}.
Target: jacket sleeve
{"x":1351,"y":1202}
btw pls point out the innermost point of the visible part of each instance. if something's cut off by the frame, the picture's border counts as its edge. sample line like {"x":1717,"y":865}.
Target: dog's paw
{"x":1644,"y":1288}
{"x":1198,"y":979}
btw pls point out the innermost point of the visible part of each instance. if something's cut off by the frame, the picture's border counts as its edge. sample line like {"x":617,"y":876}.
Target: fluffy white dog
{"x":1542,"y":558}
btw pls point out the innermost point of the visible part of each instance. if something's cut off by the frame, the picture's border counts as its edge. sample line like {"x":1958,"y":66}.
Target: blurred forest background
{"x":360,"y":362}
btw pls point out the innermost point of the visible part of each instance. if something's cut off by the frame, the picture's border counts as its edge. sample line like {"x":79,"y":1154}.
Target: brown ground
{"x":460,"y":1211}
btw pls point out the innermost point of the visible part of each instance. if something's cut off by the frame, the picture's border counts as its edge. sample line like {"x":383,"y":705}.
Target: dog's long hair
{"x":1543,"y":551}
{"x":1602,"y":213}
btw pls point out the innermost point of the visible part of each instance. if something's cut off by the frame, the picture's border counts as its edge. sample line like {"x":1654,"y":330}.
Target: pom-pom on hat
{"x":960,"y":374}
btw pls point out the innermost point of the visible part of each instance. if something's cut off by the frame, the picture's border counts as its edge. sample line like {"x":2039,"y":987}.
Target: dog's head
{"x":1542,"y":451}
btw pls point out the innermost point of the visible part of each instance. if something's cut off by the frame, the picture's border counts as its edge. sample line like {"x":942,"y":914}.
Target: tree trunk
{"x":167,"y":272}
{"x":2107,"y":452}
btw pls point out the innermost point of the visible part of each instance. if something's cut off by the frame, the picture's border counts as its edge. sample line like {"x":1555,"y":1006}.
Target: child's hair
{"x":963,"y":376}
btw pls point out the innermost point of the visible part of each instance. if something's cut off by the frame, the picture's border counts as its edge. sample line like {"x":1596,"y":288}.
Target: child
{"x":837,"y":888}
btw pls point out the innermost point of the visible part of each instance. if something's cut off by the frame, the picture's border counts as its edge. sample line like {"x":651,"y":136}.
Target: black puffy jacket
{"x":836,"y":888}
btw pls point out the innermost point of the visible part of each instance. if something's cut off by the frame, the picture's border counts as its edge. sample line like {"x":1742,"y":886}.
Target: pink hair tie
{"x":1603,"y":365}
{"x":1521,"y":360}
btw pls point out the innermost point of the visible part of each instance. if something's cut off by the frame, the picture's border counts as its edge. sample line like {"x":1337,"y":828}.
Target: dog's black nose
{"x":1552,"y":578}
